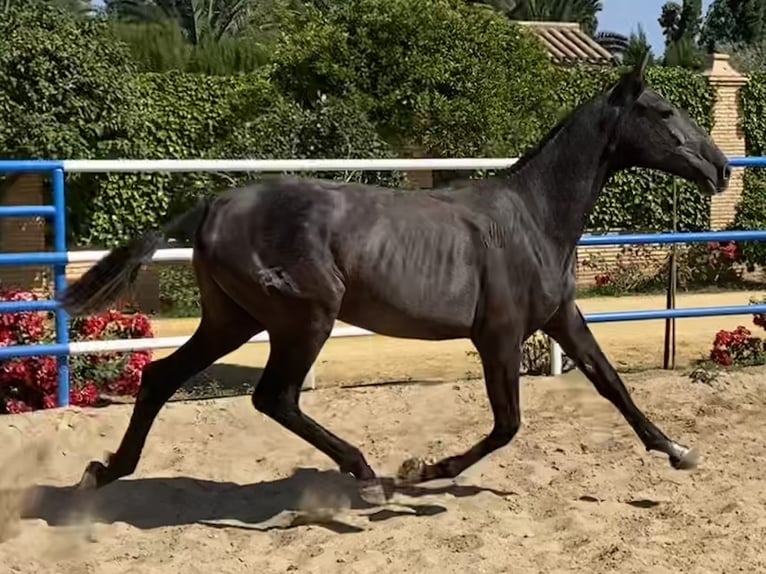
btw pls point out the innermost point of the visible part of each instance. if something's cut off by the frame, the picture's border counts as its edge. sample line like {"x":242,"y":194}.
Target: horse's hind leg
{"x":294,"y":348}
{"x":499,"y":347}
{"x":223,"y":328}
{"x":569,"y":328}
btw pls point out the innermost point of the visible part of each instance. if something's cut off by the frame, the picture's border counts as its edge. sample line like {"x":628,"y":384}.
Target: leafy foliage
{"x":735,"y":23}
{"x":191,"y":116}
{"x":449,"y":78}
{"x":61,"y":97}
{"x":751,"y":210}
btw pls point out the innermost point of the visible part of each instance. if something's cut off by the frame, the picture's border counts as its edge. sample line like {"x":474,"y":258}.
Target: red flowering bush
{"x":642,"y":268}
{"x":738,"y":347}
{"x":633,"y":269}
{"x":759,"y":319}
{"x":602,"y":279}
{"x":712,"y":263}
{"x":30,"y":383}
{"x":116,"y":373}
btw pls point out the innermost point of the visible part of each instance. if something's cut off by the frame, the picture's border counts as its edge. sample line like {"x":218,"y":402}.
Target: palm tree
{"x":198,"y":19}
{"x":637,"y":48}
{"x":614,"y":43}
{"x":582,"y":11}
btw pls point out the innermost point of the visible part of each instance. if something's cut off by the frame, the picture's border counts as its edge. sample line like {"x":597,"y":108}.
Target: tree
{"x":198,"y":19}
{"x":638,"y":45}
{"x":681,"y":27}
{"x":220,"y":37}
{"x":448,"y":78}
{"x":615,"y":43}
{"x":584,"y":12}
{"x":734,"y":23}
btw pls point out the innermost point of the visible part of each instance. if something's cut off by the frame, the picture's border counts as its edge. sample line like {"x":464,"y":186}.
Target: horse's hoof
{"x":688,"y":459}
{"x":411,"y":470}
{"x":373,"y":492}
{"x":91,"y":476}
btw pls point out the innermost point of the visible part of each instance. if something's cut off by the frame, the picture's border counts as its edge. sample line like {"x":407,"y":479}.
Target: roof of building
{"x":568,"y":44}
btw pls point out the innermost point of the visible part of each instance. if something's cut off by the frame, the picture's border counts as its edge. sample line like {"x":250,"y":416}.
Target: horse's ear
{"x":631,"y":84}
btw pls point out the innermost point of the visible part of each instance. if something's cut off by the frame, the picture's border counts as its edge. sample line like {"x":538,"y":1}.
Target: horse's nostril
{"x":727,"y":172}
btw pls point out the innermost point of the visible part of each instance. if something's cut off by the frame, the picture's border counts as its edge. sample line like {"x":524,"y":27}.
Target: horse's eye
{"x":666,"y":113}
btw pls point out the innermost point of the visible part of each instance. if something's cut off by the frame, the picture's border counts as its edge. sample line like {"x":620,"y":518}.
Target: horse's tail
{"x":103,"y":283}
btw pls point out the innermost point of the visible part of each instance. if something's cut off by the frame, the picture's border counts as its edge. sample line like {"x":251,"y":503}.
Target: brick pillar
{"x":727,"y":133}
{"x":418,"y":179}
{"x":23,"y":234}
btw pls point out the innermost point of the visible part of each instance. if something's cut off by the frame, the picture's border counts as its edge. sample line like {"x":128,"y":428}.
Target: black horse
{"x":489,"y":260}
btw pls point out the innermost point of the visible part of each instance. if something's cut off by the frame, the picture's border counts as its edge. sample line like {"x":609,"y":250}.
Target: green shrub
{"x":189,"y":116}
{"x":64,"y":85}
{"x":447,"y":77}
{"x":751,"y":211}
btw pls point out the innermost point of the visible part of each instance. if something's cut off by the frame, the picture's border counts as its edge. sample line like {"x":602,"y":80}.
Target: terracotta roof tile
{"x":568,"y":44}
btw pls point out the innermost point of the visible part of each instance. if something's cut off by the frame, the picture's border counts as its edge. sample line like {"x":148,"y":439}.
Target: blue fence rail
{"x":58,"y":258}
{"x":57,"y":213}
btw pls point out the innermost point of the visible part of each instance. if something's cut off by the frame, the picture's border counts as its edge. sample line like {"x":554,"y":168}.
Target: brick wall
{"x":144,"y":295}
{"x":23,"y":234}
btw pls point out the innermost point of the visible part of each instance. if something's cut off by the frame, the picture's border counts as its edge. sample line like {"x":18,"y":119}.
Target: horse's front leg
{"x":569,"y":328}
{"x":500,"y":352}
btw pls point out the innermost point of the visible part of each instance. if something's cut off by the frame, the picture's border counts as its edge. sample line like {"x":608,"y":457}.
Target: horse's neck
{"x":564,"y":179}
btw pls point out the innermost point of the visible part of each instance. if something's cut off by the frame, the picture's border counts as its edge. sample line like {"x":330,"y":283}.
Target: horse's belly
{"x":407,"y":312}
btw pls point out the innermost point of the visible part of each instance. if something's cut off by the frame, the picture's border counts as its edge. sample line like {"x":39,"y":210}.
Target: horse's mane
{"x":549,"y":137}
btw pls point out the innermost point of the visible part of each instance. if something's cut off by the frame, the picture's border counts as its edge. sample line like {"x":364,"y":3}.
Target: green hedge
{"x":191,"y":116}
{"x":751,"y":211}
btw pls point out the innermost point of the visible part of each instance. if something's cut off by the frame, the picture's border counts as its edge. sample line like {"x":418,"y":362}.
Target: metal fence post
{"x":59,"y":283}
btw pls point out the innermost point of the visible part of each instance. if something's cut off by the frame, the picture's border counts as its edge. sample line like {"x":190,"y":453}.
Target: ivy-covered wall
{"x":751,"y":212}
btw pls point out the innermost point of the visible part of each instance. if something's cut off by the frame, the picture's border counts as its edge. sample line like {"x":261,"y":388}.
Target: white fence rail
{"x":279,"y":165}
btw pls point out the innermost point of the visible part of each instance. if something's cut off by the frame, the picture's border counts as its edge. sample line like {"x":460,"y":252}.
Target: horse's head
{"x":652,"y":133}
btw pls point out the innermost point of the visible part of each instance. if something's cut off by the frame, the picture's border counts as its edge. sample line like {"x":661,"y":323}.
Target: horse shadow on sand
{"x":325,"y":498}
{"x":309,"y":496}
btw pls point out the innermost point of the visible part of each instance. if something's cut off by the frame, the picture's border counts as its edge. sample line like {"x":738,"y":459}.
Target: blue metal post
{"x":59,"y":282}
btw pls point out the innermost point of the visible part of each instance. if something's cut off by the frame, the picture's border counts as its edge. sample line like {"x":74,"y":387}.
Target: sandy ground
{"x":574,"y":492}
{"x":363,"y":360}
{"x":222,"y":488}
